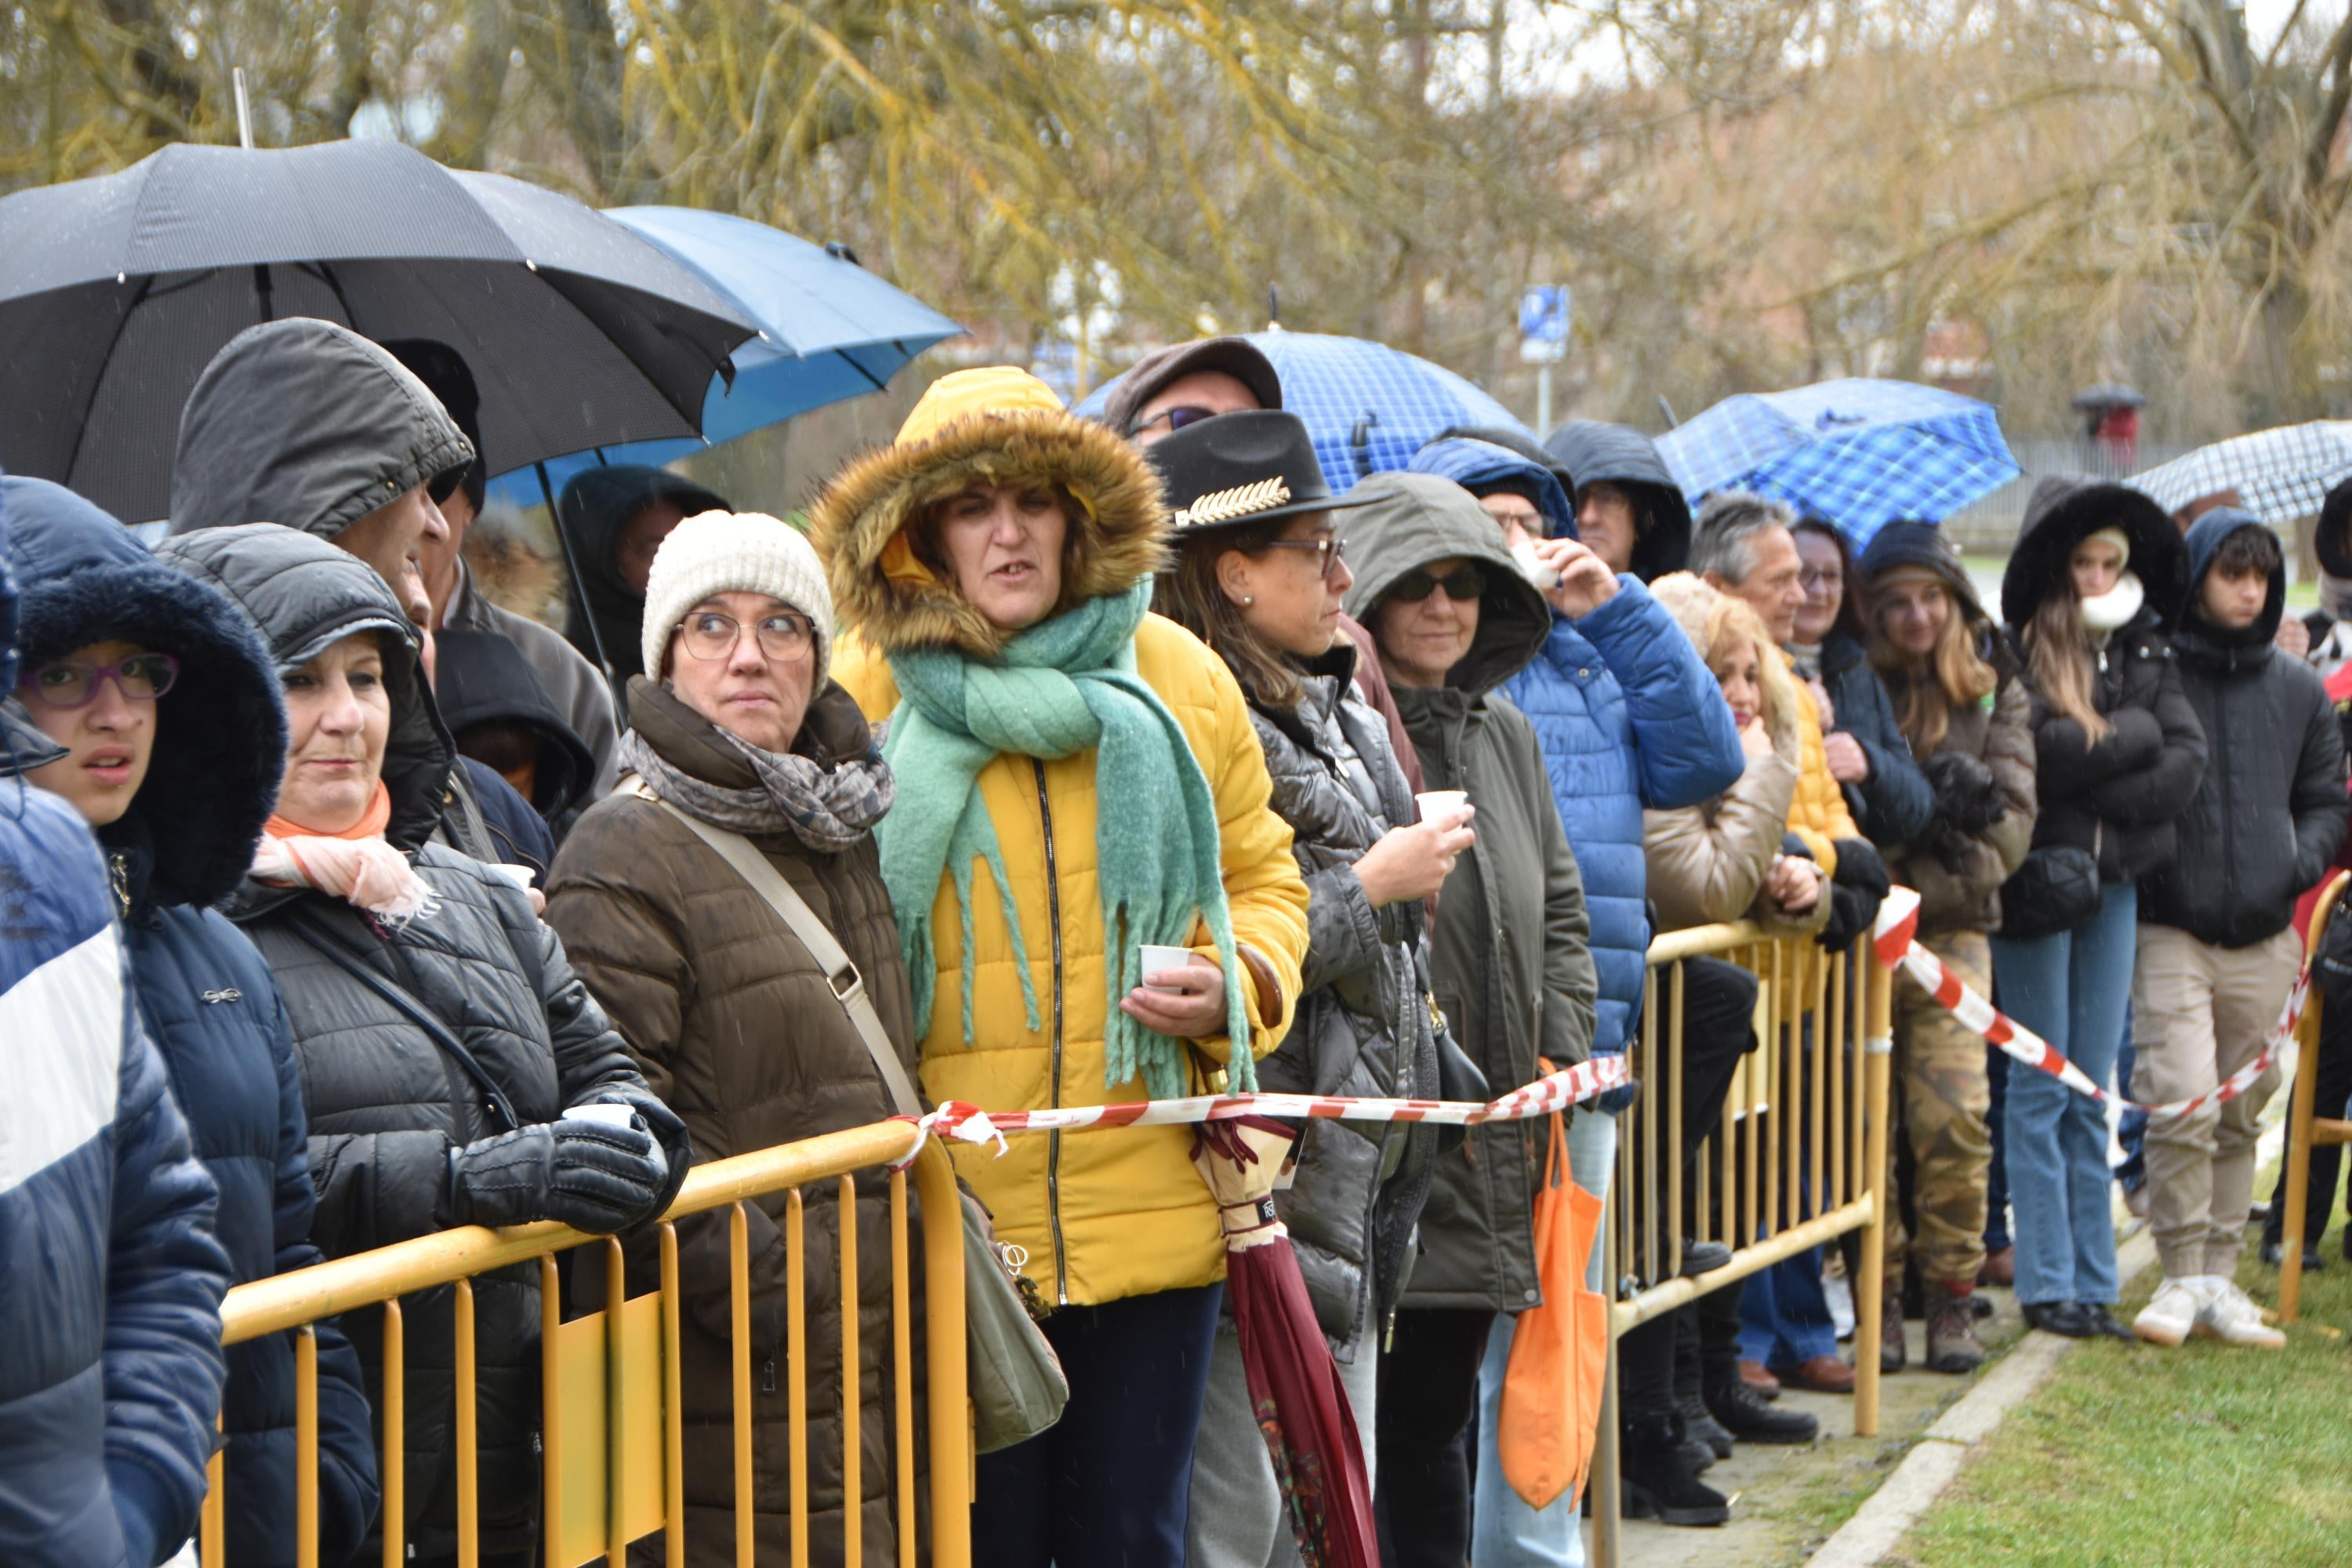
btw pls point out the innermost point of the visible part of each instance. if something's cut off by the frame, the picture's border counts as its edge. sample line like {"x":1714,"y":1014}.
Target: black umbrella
{"x":115,"y":291}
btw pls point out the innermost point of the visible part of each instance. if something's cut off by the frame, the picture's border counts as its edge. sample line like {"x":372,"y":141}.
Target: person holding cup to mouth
{"x":1512,"y":966}
{"x":1261,"y":575}
{"x":1076,"y":779}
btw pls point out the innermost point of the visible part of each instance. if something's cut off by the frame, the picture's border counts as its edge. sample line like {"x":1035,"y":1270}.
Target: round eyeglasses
{"x":711,"y":635}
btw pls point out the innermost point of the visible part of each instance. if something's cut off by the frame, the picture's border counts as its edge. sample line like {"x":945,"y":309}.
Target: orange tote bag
{"x":1560,"y":1350}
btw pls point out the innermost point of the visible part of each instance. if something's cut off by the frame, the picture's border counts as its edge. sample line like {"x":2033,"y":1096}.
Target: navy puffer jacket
{"x":110,"y":1278}
{"x":208,"y":1001}
{"x":1628,"y":717}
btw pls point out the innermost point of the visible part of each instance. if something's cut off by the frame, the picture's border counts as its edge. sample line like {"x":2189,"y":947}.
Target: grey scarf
{"x":827,"y":809}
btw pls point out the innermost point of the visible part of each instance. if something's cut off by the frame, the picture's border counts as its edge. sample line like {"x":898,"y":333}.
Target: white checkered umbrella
{"x":2279,"y":475}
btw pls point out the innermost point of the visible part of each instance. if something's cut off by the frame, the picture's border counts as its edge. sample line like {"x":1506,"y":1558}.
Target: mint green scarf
{"x":1065,"y":685}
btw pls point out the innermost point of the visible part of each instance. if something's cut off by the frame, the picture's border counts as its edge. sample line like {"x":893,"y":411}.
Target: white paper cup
{"x":1533,"y":569}
{"x":1157,"y":958}
{"x":617,"y":1116}
{"x":519,"y":876}
{"x":1443,"y":807}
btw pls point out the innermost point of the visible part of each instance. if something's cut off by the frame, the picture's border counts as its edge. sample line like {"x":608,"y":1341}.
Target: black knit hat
{"x":1924,"y":545}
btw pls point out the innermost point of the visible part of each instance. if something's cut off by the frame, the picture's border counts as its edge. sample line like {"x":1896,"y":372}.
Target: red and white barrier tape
{"x":1897,"y":941}
{"x":1574,"y":1086}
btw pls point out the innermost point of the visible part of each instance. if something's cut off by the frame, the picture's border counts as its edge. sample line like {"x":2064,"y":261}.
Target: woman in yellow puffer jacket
{"x":1076,"y":777}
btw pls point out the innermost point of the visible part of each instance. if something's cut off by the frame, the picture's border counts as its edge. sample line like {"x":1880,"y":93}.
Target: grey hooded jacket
{"x":1512,"y":962}
{"x":307,"y":423}
{"x":386,"y":1103}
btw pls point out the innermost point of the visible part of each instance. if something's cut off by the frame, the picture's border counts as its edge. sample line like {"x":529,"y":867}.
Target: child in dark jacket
{"x":2217,"y":946}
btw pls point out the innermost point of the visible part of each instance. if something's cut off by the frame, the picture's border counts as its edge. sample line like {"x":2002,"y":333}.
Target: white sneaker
{"x":2178,"y":1307}
{"x":2229,"y":1315}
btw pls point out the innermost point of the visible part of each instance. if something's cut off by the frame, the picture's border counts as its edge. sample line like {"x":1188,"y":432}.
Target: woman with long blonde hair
{"x":1960,"y":703}
{"x":2091,"y":588}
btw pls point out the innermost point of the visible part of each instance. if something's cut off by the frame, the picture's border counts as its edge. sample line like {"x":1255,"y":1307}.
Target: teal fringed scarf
{"x":1063,"y":686}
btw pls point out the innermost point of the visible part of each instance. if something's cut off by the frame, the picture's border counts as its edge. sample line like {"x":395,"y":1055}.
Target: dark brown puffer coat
{"x":738,"y":1030}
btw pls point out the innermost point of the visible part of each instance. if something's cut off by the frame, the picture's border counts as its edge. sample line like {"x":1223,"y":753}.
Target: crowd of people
{"x":347,"y":903}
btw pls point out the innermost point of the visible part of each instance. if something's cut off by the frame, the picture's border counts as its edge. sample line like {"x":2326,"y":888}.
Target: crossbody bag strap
{"x":495,"y":1101}
{"x":840,"y":973}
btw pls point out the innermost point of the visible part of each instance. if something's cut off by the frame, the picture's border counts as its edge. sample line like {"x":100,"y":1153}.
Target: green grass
{"x":2207,"y":1454}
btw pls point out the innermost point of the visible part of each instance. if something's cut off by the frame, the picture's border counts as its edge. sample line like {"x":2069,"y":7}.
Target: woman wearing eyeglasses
{"x":168,"y":708}
{"x":1261,"y":582}
{"x":738,"y":725}
{"x":1512,"y":967}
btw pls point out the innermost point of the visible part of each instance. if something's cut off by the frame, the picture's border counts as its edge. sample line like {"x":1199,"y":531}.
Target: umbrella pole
{"x":578,"y":594}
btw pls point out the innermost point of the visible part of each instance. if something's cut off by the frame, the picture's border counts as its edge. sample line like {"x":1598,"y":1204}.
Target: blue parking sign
{"x":1543,"y":321}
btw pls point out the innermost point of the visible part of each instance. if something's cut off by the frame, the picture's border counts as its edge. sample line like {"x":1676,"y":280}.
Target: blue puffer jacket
{"x":209,"y":1000}
{"x":1628,"y":717}
{"x":110,"y":1278}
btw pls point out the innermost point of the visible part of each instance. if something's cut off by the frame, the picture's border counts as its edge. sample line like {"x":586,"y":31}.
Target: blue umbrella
{"x":1860,"y":452}
{"x":829,"y":330}
{"x":1369,"y":407}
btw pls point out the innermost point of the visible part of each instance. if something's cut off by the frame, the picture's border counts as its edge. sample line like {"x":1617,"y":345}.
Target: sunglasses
{"x":1329,"y":551}
{"x":1178,"y":418}
{"x":1461,"y":585}
{"x":71,"y":683}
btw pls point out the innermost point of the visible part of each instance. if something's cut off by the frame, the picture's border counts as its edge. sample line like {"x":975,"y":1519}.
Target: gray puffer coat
{"x":1363,"y":1025}
{"x":386,"y":1104}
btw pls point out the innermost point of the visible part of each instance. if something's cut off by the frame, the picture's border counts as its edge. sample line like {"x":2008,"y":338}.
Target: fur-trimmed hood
{"x":1704,"y":614}
{"x":980,"y":428}
{"x":220,"y":732}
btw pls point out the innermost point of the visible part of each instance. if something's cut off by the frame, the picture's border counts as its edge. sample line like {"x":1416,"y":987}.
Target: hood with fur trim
{"x":1704,"y":613}
{"x":994,"y":427}
{"x":220,"y":732}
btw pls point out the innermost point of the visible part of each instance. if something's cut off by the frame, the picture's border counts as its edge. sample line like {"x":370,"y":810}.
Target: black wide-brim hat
{"x":1235,"y":469}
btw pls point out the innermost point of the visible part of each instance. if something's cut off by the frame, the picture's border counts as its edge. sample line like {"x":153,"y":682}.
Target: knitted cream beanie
{"x":735,"y":551}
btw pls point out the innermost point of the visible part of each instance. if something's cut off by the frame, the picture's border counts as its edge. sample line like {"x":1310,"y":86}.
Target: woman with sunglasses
{"x":1512,"y":966}
{"x":1262,"y":585}
{"x":174,"y":735}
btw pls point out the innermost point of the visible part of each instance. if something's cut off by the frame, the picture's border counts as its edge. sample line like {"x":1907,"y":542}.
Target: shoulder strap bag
{"x":1017,"y":1387}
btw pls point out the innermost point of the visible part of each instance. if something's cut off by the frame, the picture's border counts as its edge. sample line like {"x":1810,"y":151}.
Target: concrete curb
{"x":1879,"y":1526}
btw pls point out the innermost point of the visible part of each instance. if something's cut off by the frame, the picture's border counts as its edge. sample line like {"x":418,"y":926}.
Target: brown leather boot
{"x":1892,"y":1351}
{"x":1952,"y":1342}
{"x":1999,"y":1269}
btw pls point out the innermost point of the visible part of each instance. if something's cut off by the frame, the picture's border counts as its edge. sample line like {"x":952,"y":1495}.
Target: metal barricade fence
{"x":612,"y":1465}
{"x":1798,"y":1158}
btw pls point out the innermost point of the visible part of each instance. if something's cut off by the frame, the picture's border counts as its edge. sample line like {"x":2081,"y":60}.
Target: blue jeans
{"x":1505,"y":1532}
{"x":1784,"y":1318}
{"x":2070,"y":989}
{"x":2133,"y":1131}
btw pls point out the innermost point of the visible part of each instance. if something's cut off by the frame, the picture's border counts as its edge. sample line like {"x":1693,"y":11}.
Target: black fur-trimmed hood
{"x":220,"y":739}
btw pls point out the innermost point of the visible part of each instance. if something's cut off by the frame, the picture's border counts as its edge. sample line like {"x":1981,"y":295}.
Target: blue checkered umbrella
{"x":1860,"y":452}
{"x":1369,"y":407}
{"x":2279,"y":475}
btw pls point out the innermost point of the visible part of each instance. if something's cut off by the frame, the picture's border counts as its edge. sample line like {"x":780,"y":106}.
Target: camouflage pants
{"x":1938,"y":1098}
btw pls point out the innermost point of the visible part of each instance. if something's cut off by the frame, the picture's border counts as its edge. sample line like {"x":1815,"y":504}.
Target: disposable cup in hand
{"x":1156,"y":958}
{"x":1443,"y":807}
{"x":618,"y":1116}
{"x":519,"y":876}
{"x":1532,"y":568}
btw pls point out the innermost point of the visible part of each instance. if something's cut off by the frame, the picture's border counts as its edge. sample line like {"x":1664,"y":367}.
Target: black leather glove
{"x":1967,"y":800}
{"x":587,"y":1174}
{"x":668,"y":1131}
{"x":1856,"y":890}
{"x":1861,"y":867}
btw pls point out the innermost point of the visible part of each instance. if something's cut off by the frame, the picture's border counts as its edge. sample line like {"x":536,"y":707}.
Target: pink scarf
{"x":355,"y":865}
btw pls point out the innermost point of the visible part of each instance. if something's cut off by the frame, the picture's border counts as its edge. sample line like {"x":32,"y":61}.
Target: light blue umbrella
{"x":1861,"y":452}
{"x":829,"y":330}
{"x":1368,"y":406}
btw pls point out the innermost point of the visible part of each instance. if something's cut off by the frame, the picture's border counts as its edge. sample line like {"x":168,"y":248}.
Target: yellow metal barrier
{"x":2305,"y":1128}
{"x":612,"y":1414}
{"x":1798,"y":1159}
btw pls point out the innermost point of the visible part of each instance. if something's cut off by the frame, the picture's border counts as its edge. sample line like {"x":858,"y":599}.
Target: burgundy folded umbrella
{"x":1294,"y":1384}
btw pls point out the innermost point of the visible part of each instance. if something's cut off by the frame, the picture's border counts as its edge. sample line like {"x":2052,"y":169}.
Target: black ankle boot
{"x":1659,"y":1481}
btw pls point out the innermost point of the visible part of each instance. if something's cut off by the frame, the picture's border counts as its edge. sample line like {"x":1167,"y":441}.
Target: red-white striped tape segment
{"x":1897,"y":944}
{"x":1556,"y":1092}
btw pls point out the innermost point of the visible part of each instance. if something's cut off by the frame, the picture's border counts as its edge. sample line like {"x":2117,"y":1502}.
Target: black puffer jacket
{"x":2117,"y":800}
{"x":2270,"y":815}
{"x":386,"y":1104}
{"x":1363,"y":1024}
{"x":1892,"y":805}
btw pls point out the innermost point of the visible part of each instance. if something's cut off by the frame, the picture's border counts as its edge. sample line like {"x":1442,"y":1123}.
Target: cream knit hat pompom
{"x":735,"y":552}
